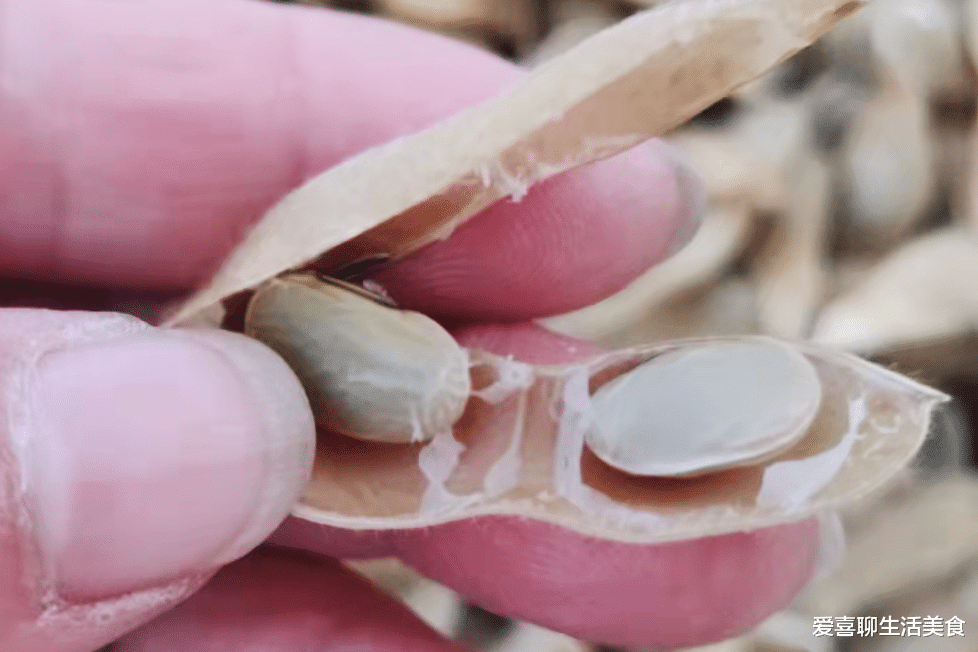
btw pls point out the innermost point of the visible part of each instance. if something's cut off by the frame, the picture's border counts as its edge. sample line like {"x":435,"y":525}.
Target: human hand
{"x":137,"y":142}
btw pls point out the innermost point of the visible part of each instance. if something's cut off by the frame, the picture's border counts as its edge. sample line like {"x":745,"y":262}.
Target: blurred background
{"x":841,"y":208}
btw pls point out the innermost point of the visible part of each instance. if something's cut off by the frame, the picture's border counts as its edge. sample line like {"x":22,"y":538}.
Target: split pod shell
{"x":530,"y":439}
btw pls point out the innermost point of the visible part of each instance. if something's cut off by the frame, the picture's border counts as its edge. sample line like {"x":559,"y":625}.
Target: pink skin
{"x":282,"y":601}
{"x":667,"y":596}
{"x":137,"y":142}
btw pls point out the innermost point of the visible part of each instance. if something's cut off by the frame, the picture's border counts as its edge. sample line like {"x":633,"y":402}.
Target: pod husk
{"x":633,"y":81}
{"x":518,"y":448}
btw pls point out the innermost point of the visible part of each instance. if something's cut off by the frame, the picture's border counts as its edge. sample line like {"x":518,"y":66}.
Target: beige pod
{"x":521,"y":444}
{"x":526,"y":442}
{"x":370,"y":371}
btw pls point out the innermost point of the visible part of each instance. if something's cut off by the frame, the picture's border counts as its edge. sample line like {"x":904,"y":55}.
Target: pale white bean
{"x":370,"y":371}
{"x":705,"y":408}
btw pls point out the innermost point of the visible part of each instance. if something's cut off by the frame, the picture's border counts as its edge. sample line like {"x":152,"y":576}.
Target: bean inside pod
{"x":370,"y":371}
{"x":519,"y":447}
{"x":703,"y":409}
{"x":525,"y":447}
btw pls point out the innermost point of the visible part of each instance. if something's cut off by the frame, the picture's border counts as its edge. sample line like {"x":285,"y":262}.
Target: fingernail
{"x":692,"y":193}
{"x":158,"y":454}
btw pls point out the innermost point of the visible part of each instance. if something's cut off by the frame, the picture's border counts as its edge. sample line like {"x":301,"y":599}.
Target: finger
{"x":572,"y":241}
{"x":278,"y":600}
{"x":662,"y":596}
{"x":139,"y":143}
{"x":134,"y":462}
{"x":134,"y":156}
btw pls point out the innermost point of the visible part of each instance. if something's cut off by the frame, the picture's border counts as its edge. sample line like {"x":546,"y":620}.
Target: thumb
{"x":134,"y":462}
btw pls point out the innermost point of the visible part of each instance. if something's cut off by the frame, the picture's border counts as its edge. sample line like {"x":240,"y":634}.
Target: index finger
{"x":139,"y":145}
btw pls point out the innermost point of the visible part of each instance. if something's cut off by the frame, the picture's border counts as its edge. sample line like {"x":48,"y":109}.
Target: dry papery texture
{"x":519,"y":449}
{"x":519,"y":446}
{"x":626,"y":84}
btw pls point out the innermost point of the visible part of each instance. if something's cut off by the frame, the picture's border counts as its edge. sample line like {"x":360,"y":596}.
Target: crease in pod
{"x":705,"y":408}
{"x":370,"y":370}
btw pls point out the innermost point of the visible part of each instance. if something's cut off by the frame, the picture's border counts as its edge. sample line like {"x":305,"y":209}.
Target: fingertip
{"x":147,"y":455}
{"x":285,"y":422}
{"x":664,"y":596}
{"x":573,"y":240}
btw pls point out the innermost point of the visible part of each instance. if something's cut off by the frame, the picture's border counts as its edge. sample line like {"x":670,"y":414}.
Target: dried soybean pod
{"x":519,"y":448}
{"x":370,"y":371}
{"x":705,"y":408}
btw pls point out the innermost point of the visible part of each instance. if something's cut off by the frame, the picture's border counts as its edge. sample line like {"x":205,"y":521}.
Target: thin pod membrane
{"x":521,"y":448}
